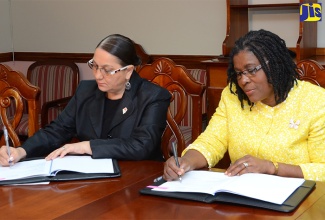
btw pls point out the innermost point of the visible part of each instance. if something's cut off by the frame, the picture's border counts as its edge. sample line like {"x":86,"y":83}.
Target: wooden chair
{"x":312,"y":71}
{"x":11,"y":96}
{"x":58,"y":80}
{"x":173,"y":132}
{"x":14,"y":88}
{"x":183,"y":88}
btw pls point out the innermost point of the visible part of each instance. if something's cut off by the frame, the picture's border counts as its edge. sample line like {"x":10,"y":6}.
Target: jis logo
{"x":310,"y":12}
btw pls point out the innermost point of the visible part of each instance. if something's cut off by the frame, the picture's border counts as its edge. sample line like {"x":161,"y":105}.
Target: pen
{"x":157,"y":179}
{"x":174,"y":147}
{"x":5,"y":133}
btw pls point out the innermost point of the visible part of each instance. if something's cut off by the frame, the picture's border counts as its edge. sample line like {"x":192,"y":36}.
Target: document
{"x":41,"y":167}
{"x":269,"y":188}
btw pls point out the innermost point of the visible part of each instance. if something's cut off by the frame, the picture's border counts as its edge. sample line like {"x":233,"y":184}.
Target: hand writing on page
{"x":172,"y":171}
{"x":16,"y":155}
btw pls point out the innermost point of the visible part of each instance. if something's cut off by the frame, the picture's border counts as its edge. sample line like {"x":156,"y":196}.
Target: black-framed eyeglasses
{"x":249,"y":72}
{"x":104,"y":71}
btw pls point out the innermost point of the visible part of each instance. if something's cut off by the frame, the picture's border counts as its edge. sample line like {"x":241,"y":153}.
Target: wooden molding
{"x":189,"y":61}
{"x":41,"y":56}
{"x":5,"y":57}
{"x":320,"y":51}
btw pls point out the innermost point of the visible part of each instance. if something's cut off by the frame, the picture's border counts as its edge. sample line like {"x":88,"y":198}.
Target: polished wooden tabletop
{"x":119,"y":198}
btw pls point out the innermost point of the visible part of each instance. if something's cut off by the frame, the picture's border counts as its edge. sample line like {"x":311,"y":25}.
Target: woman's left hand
{"x":75,"y":148}
{"x":250,"y":164}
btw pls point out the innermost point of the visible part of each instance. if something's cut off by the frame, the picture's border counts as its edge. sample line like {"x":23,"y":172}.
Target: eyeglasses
{"x":104,"y":71}
{"x":248,"y":73}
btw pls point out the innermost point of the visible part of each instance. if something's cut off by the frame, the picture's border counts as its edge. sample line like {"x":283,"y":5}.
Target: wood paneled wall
{"x":189,"y":61}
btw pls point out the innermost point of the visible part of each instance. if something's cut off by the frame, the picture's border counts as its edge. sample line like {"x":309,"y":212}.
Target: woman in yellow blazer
{"x":269,"y":121}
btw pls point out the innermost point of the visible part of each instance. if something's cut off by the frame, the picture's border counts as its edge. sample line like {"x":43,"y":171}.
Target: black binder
{"x":65,"y":176}
{"x":289,"y":205}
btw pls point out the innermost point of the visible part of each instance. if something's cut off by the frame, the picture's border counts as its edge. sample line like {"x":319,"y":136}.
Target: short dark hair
{"x":122,"y":47}
{"x":273,"y":55}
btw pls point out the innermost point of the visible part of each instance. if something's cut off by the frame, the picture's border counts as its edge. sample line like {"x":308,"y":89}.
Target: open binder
{"x":289,"y":205}
{"x":65,"y":174}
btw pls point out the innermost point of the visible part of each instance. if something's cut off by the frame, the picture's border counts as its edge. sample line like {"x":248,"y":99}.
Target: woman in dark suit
{"x":117,"y":115}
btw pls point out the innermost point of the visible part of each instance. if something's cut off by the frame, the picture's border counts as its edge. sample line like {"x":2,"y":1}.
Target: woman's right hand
{"x":172,"y":171}
{"x":191,"y":160}
{"x":16,"y":154}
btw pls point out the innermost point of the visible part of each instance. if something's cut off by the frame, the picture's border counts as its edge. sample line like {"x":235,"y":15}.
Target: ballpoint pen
{"x":157,"y":179}
{"x":174,"y":147}
{"x":5,"y":133}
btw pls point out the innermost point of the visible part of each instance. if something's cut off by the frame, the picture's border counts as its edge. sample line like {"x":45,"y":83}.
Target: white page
{"x":83,"y":164}
{"x":25,"y":169}
{"x":197,"y":181}
{"x":265,"y":187}
{"x":268,"y":188}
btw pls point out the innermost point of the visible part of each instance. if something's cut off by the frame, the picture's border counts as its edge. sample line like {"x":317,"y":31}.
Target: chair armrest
{"x":58,"y":103}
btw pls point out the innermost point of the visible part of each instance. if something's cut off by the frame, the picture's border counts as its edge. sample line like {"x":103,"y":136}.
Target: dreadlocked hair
{"x":273,"y":55}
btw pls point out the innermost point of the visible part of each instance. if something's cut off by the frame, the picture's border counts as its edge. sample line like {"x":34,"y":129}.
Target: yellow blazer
{"x":292,"y":132}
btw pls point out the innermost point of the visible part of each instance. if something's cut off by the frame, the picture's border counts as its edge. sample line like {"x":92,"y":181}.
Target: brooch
{"x":124,"y":110}
{"x":294,"y":124}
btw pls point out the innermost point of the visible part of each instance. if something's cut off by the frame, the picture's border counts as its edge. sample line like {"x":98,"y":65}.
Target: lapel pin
{"x":124,"y":110}
{"x":294,"y":124}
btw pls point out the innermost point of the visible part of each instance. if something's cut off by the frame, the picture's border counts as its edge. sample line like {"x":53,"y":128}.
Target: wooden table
{"x":119,"y":198}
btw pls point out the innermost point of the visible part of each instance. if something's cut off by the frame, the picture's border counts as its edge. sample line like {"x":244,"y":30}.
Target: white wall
{"x":163,"y":27}
{"x":175,"y":27}
{"x":180,"y":27}
{"x":5,"y":33}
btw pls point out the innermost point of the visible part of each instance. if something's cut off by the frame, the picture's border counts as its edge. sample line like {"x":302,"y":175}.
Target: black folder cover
{"x":65,"y":175}
{"x":289,"y":205}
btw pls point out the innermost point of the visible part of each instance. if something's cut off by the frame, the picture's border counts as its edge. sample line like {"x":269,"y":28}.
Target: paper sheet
{"x":25,"y":169}
{"x":41,"y":167}
{"x":264,"y":187}
{"x":83,"y":164}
